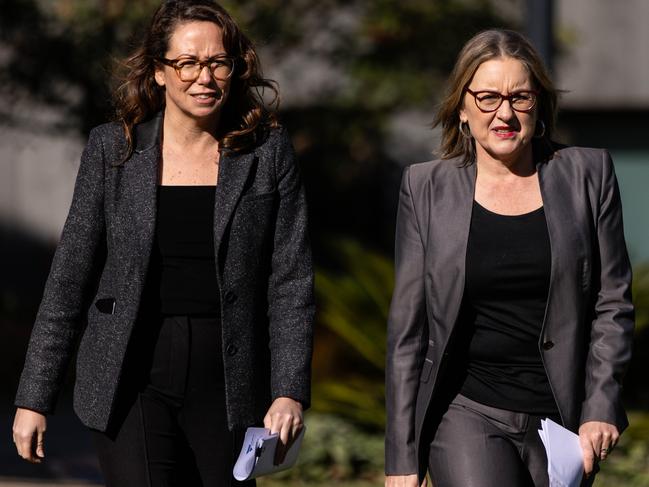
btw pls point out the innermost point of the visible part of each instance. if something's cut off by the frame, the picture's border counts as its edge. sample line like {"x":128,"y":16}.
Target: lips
{"x":207,"y":96}
{"x":504,"y":132}
{"x":207,"y":99}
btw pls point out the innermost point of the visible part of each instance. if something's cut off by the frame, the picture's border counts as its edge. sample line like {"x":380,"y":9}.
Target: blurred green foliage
{"x":353,"y":302}
{"x":636,"y":387}
{"x":628,"y":466}
{"x":641,"y":297}
{"x":336,"y":450}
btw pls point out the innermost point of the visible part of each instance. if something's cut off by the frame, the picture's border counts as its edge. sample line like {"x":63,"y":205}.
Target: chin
{"x":202,"y":113}
{"x":515,"y":144}
{"x":508,"y":152}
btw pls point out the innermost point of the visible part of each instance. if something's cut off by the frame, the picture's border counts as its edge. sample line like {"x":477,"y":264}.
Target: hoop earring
{"x":462,"y":131}
{"x":538,"y":136}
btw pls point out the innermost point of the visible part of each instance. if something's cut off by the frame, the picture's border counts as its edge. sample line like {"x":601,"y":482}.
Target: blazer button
{"x":230,"y":297}
{"x":548,"y":345}
{"x":231,"y":350}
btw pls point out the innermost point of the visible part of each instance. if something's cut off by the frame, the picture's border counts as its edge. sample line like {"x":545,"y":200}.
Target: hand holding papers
{"x":258,"y":452}
{"x":565,"y":458}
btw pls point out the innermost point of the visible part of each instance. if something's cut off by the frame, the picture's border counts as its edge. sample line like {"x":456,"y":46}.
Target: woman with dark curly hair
{"x":186,"y":253}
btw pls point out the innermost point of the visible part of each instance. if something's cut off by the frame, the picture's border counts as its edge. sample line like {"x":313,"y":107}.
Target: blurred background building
{"x":359,"y":83}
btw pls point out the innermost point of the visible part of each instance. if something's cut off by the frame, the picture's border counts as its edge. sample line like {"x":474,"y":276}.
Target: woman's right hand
{"x":404,"y":481}
{"x":28,"y":431}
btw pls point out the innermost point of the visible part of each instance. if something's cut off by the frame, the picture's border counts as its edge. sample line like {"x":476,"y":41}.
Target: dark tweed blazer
{"x":264,"y":273}
{"x":586,"y":339}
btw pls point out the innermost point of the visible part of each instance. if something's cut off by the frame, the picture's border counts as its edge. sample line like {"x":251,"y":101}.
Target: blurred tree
{"x":61,"y":52}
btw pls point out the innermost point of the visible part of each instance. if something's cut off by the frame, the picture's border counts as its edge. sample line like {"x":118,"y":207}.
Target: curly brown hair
{"x":484,"y":46}
{"x":137,"y":97}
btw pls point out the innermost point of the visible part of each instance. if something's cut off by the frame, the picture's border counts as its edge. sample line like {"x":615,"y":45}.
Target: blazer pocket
{"x":106,"y":305}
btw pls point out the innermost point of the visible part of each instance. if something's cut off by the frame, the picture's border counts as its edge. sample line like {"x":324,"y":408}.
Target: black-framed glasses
{"x":189,"y":68}
{"x":490,"y":101}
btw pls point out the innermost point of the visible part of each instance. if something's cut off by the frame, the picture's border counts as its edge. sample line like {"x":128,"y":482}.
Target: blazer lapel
{"x":556,"y":195}
{"x":449,"y":232}
{"x":143,"y":182}
{"x":233,"y":174}
{"x":563,"y":227}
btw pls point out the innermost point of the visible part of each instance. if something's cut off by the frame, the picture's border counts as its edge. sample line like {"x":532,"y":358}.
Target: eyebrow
{"x":500,"y":93}
{"x":194,"y":56}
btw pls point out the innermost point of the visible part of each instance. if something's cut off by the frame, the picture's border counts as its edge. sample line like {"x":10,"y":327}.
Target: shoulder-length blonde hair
{"x":137,"y":97}
{"x":484,"y":46}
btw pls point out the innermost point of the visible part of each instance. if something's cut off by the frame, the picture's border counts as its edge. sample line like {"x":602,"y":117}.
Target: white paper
{"x":565,"y":460}
{"x":258,"y":452}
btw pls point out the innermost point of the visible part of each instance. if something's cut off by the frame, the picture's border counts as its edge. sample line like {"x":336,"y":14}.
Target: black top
{"x":507,"y":284}
{"x":183,"y":268}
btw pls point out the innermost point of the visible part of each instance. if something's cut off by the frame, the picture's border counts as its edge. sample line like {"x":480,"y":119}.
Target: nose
{"x":204,"y":77}
{"x":505,"y":111}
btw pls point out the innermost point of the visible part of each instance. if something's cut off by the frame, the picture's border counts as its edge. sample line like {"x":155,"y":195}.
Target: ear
{"x":159,"y":76}
{"x":463,"y":116}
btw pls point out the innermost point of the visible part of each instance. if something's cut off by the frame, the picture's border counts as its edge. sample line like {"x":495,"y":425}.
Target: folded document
{"x":258,"y":453}
{"x":565,"y":458}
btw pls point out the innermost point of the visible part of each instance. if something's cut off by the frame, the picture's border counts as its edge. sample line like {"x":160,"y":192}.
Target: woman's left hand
{"x":284,"y":417}
{"x":597,"y":439}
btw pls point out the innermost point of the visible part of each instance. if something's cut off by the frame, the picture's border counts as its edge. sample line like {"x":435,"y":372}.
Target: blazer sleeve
{"x":611,"y":333}
{"x":290,"y":291}
{"x":405,"y":335}
{"x":59,"y":317}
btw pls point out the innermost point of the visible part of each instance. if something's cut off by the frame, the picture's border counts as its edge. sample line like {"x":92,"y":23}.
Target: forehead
{"x":501,"y":73}
{"x":196,"y":38}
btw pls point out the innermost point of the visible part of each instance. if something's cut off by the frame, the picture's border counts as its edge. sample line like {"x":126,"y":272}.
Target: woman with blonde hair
{"x":512,"y":299}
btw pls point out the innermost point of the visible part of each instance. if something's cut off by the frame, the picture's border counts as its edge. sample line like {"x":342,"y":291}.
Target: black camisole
{"x":183,"y":267}
{"x":507,"y":282}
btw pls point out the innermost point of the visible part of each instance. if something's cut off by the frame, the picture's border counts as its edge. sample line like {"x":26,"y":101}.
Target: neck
{"x":184,"y":131}
{"x":521,"y":165}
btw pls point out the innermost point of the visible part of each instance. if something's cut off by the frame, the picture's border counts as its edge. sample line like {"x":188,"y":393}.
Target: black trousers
{"x":170,"y":426}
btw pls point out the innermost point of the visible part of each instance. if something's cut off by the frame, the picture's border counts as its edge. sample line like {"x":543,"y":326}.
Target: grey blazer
{"x":264,"y":273}
{"x":586,"y":339}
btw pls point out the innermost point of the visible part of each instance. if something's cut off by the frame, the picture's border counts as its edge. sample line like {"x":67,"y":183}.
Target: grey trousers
{"x":481,"y":446}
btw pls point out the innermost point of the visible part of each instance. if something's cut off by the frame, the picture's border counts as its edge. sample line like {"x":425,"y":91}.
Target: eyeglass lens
{"x":190,"y":70}
{"x":489,"y":101}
